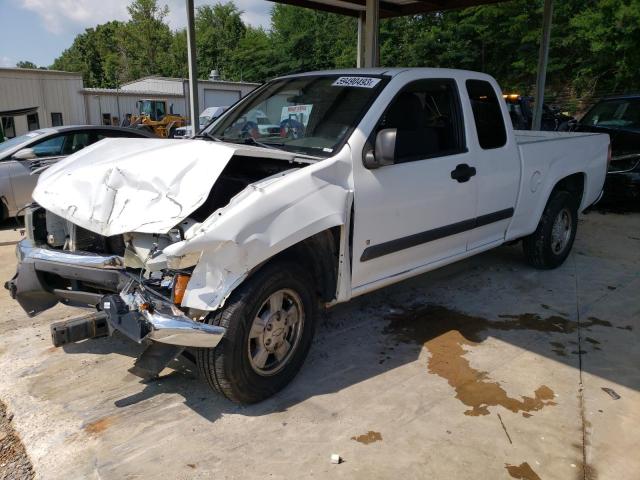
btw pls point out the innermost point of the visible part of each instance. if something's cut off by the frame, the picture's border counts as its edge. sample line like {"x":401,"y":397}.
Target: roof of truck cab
{"x":359,"y":72}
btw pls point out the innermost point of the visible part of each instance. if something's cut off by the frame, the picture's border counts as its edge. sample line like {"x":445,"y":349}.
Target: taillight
{"x":180,"y":282}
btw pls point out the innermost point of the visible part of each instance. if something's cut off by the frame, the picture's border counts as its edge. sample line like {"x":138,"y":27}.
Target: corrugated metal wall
{"x":63,"y":93}
{"x":105,"y":102}
{"x":101,"y":103}
{"x":49,"y":91}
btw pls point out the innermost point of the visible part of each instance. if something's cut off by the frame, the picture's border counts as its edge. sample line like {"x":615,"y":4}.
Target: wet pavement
{"x":484,"y":369}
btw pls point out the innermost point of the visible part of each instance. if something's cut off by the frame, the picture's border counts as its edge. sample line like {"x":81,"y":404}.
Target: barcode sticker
{"x":359,"y":82}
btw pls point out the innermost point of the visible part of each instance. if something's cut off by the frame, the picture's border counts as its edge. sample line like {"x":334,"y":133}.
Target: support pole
{"x":372,"y":26}
{"x":543,"y":59}
{"x":193,"y":68}
{"x":361,"y":30}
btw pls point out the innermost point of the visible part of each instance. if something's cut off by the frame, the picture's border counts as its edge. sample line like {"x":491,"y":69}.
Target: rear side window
{"x":487,"y":114}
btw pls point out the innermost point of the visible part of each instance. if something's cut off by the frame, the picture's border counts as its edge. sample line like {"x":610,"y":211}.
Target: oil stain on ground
{"x":369,"y":437}
{"x":447,"y":333}
{"x":98,"y":426}
{"x":522,"y":471}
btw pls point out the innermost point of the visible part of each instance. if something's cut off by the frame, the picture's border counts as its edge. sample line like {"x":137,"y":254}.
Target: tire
{"x":546,"y":248}
{"x":233,"y":368}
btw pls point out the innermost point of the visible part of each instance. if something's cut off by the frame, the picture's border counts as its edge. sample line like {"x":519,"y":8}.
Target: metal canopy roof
{"x":388,"y":8}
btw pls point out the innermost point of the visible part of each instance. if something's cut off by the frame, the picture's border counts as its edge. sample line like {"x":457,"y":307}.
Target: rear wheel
{"x":549,"y":246}
{"x":270,"y":321}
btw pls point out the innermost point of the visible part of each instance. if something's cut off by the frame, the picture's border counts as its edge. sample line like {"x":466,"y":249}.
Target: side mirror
{"x":384,"y":152}
{"x":24,"y":154}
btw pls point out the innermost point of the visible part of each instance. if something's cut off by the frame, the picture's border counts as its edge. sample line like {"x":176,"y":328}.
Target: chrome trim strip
{"x":27,"y":249}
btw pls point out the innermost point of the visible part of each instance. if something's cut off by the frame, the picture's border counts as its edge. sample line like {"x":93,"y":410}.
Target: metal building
{"x":32,"y":99}
{"x":109,"y":106}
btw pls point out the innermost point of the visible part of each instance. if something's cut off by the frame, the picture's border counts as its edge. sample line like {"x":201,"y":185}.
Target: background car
{"x":521,"y":113}
{"x":21,"y":158}
{"x":618,"y":116}
{"x":208,"y":114}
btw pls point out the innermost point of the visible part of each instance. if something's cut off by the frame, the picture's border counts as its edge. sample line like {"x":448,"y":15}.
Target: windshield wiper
{"x":253,"y":141}
{"x":208,"y":135}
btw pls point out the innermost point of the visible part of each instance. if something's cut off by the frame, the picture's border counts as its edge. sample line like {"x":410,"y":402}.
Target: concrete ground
{"x":486,"y":369}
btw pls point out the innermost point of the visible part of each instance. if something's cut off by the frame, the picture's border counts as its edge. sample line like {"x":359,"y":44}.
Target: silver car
{"x":22,"y":157}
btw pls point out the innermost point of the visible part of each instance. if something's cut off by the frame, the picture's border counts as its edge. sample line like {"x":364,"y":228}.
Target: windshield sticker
{"x":360,"y":82}
{"x":296,"y":114}
{"x":328,"y":150}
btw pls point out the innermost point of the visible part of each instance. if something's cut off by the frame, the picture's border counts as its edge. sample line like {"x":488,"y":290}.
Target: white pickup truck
{"x":224,"y":246}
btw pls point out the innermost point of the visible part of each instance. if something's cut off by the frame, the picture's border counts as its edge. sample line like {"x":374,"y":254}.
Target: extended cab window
{"x":487,"y":114}
{"x":428,"y":120}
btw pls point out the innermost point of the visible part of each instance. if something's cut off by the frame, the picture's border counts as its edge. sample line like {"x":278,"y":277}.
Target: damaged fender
{"x":261,"y":221}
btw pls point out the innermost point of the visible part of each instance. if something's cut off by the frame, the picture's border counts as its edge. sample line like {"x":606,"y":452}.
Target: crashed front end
{"x":156,"y":245}
{"x":124,"y":277}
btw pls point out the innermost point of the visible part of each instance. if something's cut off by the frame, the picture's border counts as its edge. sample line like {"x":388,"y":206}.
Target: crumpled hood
{"x":123,"y":185}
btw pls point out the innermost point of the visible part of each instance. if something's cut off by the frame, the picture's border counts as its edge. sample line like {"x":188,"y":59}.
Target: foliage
{"x":26,"y":64}
{"x":594,"y":47}
{"x":219,"y":29}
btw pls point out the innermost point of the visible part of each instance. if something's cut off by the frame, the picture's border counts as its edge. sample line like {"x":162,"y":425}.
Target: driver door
{"x":414,"y":212}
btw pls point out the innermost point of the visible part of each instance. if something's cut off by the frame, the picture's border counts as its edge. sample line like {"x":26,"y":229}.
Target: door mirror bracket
{"x":384,"y":152}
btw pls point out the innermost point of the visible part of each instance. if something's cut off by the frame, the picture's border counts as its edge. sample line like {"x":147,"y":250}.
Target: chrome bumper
{"x":26,"y":249}
{"x":166,"y":322}
{"x":142,"y":314}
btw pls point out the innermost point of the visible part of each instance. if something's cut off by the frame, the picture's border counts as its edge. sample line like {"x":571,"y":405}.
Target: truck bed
{"x":546,"y":156}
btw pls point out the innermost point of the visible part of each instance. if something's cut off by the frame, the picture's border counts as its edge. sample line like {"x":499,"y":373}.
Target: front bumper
{"x":45,"y":277}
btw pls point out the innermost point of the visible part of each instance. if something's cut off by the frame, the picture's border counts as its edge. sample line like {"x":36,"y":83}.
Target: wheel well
{"x":573,"y":183}
{"x":318,"y":254}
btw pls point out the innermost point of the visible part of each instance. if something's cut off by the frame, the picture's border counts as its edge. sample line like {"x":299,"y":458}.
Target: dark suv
{"x":618,"y":116}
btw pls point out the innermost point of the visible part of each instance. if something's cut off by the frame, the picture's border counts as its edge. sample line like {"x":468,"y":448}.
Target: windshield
{"x":15,"y":141}
{"x":622,"y":113}
{"x":311,"y":114}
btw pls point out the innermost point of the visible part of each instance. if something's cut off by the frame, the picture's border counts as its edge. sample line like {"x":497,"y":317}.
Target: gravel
{"x":14,"y":462}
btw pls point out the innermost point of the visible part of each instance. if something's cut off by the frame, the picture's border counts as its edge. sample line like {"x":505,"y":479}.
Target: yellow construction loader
{"x":154,"y":116}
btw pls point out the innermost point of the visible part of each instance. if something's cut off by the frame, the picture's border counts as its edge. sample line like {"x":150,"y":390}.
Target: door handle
{"x":463,"y":173}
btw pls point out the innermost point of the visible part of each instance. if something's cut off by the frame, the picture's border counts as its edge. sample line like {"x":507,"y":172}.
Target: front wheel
{"x":270,"y":321}
{"x":549,"y":246}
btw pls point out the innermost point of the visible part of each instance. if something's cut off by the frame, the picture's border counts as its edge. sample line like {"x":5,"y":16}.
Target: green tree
{"x":96,"y":54}
{"x":255,"y":58}
{"x":146,"y":39}
{"x":26,"y":64}
{"x":594,"y":45}
{"x":219,"y":30}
